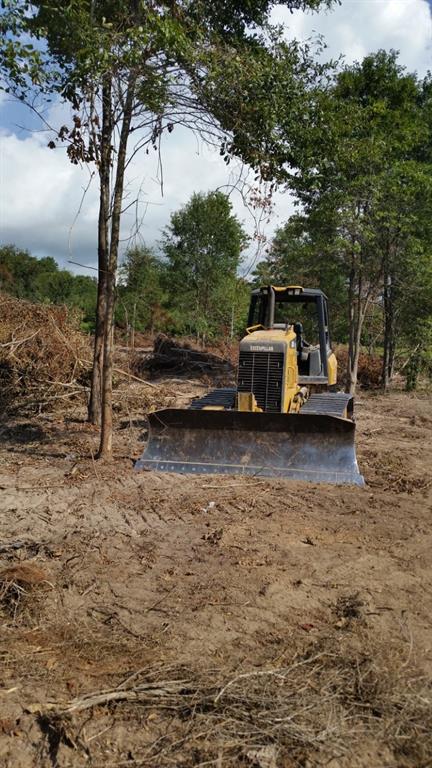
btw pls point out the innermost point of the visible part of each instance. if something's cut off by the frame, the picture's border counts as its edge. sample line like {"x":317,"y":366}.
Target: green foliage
{"x":40,"y":280}
{"x":219,"y":68}
{"x":261,"y":93}
{"x":241,"y":308}
{"x":20,"y":272}
{"x":140,"y":293}
{"x":365,"y":187}
{"x":203,"y":246}
{"x":83,"y":295}
{"x":297,"y":257}
{"x":366,"y":192}
{"x":151,"y":294}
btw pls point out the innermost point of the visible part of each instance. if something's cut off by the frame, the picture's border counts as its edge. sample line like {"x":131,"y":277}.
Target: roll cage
{"x":262,"y":312}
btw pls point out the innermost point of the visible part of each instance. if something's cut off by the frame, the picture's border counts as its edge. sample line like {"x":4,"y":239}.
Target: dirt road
{"x":149,"y":579}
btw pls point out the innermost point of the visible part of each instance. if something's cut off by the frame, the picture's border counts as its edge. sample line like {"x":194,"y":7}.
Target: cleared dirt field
{"x":162,"y":620}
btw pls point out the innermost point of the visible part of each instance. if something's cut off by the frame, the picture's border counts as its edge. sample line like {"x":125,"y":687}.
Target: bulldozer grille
{"x":262,"y":374}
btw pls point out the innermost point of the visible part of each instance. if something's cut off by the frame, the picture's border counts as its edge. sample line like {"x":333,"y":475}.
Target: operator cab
{"x":306,"y":311}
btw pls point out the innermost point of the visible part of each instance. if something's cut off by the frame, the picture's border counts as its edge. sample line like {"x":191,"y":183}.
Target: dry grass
{"x":349,"y":607}
{"x":322,"y":704}
{"x":18,"y":585}
{"x":45,"y":363}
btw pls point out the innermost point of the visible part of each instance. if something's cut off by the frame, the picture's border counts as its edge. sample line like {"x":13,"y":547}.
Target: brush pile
{"x":369,"y":369}
{"x":182,"y":359}
{"x":43,"y":355}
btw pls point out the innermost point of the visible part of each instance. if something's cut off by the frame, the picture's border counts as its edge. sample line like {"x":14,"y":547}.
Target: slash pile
{"x":43,"y":355}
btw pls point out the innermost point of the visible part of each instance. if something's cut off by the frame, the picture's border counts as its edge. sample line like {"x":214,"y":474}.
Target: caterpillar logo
{"x":261,"y":348}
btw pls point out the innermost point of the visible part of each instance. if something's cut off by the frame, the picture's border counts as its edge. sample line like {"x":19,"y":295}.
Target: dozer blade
{"x":318,"y":448}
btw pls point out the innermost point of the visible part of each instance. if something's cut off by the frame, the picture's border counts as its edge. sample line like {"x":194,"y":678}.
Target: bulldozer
{"x":284,"y":419}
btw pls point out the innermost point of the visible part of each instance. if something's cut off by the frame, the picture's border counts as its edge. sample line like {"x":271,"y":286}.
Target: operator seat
{"x":309,"y":357}
{"x":301,"y":341}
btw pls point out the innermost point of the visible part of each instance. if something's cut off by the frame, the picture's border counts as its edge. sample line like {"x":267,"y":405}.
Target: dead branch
{"x":142,"y":693}
{"x":328,"y":702}
{"x":135,"y":378}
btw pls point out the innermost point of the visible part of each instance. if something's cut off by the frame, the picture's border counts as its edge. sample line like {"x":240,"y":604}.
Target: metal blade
{"x":313,"y":447}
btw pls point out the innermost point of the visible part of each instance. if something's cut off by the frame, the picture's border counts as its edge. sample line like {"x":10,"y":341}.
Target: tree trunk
{"x":351,"y":328}
{"x":128,"y":328}
{"x":133,"y":326}
{"x":354,"y":360}
{"x":105,"y":448}
{"x":389,"y":320}
{"x":95,"y":402}
{"x":386,"y":341}
{"x":94,"y":407}
{"x":358,"y":305}
{"x":392,"y":350}
{"x":392,"y":327}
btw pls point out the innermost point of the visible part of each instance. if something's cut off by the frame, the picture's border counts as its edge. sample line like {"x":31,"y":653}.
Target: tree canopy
{"x":141,"y":295}
{"x":365,"y":190}
{"x":203,"y":247}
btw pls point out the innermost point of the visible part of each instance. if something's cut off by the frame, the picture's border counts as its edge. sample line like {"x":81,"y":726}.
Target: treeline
{"x":27,"y":277}
{"x":189,"y":286}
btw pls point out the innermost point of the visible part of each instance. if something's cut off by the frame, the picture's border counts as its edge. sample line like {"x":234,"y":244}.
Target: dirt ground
{"x":214,"y":620}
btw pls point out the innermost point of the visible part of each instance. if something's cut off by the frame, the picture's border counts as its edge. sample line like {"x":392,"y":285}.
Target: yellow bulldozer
{"x":285,"y":418}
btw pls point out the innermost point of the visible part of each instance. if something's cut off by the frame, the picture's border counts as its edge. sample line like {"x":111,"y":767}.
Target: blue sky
{"x":40,"y":191}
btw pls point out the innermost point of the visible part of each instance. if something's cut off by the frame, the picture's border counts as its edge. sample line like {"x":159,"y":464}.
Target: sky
{"x":43,"y":207}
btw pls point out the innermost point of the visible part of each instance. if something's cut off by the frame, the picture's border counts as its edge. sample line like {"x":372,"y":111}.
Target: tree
{"x":140,"y":292}
{"x":142,"y":68}
{"x":83,"y":296}
{"x":54,"y":287}
{"x":404,"y":230}
{"x":299,"y":255}
{"x":393,"y":134}
{"x":357,"y":190}
{"x":203,"y":246}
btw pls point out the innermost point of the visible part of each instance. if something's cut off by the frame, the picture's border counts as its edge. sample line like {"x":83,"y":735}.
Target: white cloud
{"x":41,"y":194}
{"x":41,"y":191}
{"x":358,"y":27}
